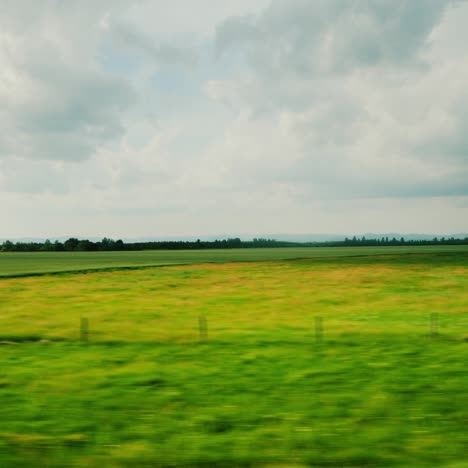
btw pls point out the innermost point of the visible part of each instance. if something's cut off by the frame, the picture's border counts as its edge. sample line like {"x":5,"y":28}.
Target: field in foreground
{"x":378,"y":390}
{"x":27,"y":263}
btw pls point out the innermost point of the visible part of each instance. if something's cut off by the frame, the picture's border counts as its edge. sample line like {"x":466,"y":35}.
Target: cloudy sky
{"x":190,"y":117}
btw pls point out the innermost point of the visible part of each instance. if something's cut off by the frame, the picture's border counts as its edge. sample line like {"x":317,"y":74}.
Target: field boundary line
{"x":111,"y":269}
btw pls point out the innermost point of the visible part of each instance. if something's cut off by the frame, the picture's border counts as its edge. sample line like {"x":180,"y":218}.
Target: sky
{"x":141,"y":118}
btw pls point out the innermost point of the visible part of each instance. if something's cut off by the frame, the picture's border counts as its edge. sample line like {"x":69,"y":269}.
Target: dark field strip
{"x":19,"y":264}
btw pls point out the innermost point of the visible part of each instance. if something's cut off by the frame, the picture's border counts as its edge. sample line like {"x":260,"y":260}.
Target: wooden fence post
{"x":434,"y":324}
{"x":318,"y":329}
{"x":84,"y":330}
{"x":203,"y":328}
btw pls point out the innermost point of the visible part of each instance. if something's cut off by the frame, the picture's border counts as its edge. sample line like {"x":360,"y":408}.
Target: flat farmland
{"x":382,"y":381}
{"x":27,"y":263}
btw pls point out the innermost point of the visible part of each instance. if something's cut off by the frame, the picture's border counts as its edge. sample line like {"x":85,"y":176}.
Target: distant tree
{"x":8,"y":246}
{"x":107,"y":244}
{"x":71,"y":244}
{"x":47,"y":246}
{"x":58,"y":246}
{"x":86,"y":245}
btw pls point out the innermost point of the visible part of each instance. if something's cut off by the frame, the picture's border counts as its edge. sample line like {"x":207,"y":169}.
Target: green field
{"x":384,"y":385}
{"x":26,"y":263}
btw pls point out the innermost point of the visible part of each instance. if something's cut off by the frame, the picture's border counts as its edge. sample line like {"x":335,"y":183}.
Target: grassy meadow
{"x":384,"y":385}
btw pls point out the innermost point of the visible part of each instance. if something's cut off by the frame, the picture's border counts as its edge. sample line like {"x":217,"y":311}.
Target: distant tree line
{"x":355,"y":241}
{"x":106,"y":244}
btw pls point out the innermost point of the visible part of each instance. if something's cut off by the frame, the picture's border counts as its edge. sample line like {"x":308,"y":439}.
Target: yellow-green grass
{"x":29,"y":263}
{"x":379,"y":389}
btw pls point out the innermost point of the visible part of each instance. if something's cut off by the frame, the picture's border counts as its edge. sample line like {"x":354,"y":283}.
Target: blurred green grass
{"x":379,"y":390}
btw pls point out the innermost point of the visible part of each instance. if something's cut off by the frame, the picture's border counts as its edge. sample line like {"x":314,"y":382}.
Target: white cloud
{"x":56,"y":103}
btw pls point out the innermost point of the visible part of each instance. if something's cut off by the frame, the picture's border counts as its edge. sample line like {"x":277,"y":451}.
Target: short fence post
{"x":318,"y":329}
{"x":203,"y":328}
{"x":84,"y":329}
{"x":434,"y":324}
